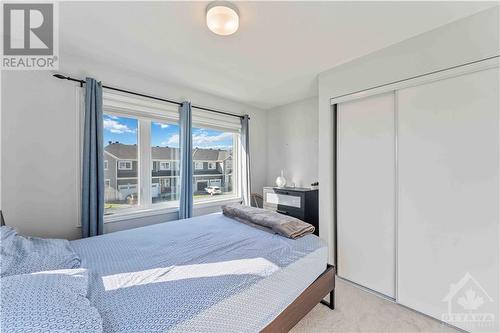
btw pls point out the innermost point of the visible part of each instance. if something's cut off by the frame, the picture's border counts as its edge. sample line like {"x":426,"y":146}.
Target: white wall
{"x":470,"y":39}
{"x":39,"y":143}
{"x":0,"y":144}
{"x":292,"y":135}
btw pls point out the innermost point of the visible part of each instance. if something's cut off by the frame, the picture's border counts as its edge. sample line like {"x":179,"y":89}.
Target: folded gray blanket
{"x":283,"y":225}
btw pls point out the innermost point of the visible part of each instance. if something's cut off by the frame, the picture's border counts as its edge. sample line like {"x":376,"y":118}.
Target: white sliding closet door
{"x":366,"y":192}
{"x":448,"y":212}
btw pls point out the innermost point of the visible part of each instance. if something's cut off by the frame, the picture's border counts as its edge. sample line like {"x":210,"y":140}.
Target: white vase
{"x":281,"y":180}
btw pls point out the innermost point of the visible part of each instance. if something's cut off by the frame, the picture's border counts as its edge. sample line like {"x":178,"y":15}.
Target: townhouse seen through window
{"x":120,"y":156}
{"x":213,"y":152}
{"x":125,"y":154}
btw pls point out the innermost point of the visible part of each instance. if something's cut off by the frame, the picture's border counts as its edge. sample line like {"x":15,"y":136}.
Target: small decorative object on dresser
{"x":281,"y":180}
{"x":301,"y":203}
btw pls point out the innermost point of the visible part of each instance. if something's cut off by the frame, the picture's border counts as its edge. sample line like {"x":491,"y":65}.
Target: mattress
{"x":204,"y":274}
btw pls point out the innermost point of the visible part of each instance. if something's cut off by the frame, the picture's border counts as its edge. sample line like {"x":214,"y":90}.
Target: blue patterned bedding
{"x":23,"y":255}
{"x":48,"y":301}
{"x":172,"y":275}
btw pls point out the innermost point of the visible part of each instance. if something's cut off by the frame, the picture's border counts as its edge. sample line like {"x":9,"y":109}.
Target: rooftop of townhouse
{"x":129,"y":152}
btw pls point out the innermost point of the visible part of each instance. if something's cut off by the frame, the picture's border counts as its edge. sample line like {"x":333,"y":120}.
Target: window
{"x":142,"y":156}
{"x":124,"y":165}
{"x":141,"y":145}
{"x":165,"y":180}
{"x":164,"y":166}
{"x":218,"y":147}
{"x":120,"y":144}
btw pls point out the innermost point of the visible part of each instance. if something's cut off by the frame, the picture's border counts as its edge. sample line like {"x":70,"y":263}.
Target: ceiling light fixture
{"x":222,"y":18}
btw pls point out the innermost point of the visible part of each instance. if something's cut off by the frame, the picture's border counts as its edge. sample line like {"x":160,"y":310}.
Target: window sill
{"x":142,"y":213}
{"x":139,"y":213}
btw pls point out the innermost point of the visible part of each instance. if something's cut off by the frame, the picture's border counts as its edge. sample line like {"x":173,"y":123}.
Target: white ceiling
{"x":272,"y":60}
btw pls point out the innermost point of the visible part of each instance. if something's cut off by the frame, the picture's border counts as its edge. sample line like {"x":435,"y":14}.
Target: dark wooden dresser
{"x":301,"y":203}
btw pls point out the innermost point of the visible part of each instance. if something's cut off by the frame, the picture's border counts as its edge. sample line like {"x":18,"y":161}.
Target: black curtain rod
{"x":82,"y":82}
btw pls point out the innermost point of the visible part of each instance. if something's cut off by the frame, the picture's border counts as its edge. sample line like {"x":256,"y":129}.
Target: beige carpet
{"x":360,"y":311}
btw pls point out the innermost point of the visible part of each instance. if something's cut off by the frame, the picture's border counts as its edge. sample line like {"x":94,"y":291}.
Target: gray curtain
{"x":245,"y":160}
{"x":186,"y":144}
{"x":93,"y":168}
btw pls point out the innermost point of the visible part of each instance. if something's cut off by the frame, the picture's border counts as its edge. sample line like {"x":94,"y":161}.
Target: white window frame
{"x":197,"y":165}
{"x":107,"y":183}
{"x":147,"y":111}
{"x":106,"y":165}
{"x":126,"y":167}
{"x":166,"y":167}
{"x":212,"y":165}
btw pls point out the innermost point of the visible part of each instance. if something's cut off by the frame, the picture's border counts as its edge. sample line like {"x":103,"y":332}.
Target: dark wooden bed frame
{"x":313,"y":295}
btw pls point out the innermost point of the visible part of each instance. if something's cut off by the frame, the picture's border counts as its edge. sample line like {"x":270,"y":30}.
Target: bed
{"x":204,"y":274}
